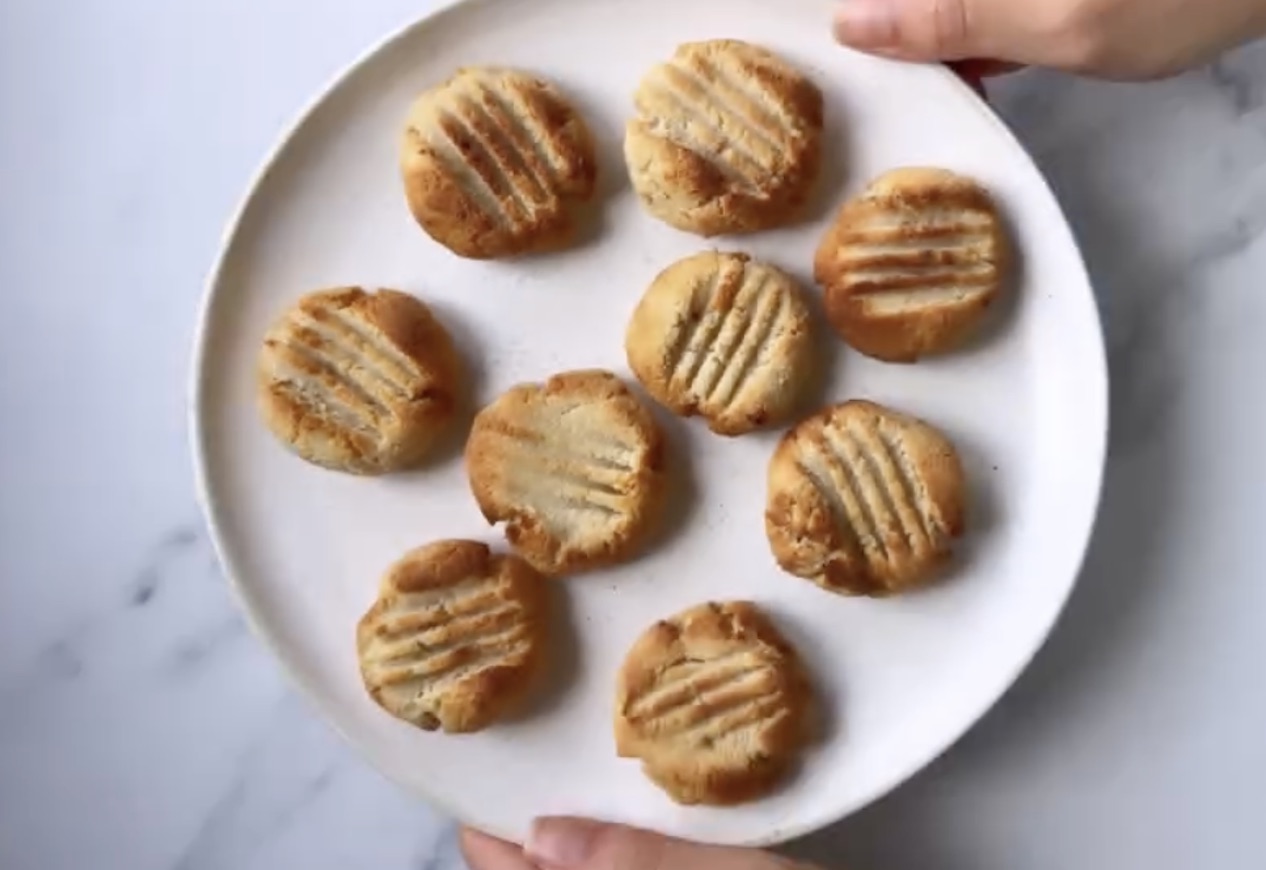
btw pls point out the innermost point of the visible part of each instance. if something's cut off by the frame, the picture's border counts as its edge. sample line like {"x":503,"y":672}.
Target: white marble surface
{"x":142,"y":728}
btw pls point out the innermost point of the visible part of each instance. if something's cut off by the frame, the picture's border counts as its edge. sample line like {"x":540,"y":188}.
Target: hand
{"x":1119,"y":39}
{"x":580,"y":844}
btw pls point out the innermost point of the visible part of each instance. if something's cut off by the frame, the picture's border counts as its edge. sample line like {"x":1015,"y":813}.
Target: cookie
{"x":910,"y":266}
{"x":715,"y":704}
{"x":572,"y":467}
{"x":723,"y":336}
{"x":358,"y":382}
{"x":494,"y":162}
{"x":727,"y":139}
{"x":864,"y":500}
{"x":456,"y":638}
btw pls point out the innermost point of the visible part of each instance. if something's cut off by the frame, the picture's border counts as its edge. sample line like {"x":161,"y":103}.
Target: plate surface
{"x":901,"y":679}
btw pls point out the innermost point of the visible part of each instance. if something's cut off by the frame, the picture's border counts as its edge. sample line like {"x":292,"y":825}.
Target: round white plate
{"x":901,"y":679}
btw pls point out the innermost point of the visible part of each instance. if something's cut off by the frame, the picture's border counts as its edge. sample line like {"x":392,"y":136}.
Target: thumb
{"x":580,"y":844}
{"x":924,"y":30}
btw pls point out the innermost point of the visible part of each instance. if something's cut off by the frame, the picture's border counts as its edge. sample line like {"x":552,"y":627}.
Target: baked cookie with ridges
{"x":910,"y":266}
{"x":456,"y":638}
{"x":573,"y":467}
{"x":727,"y":139}
{"x":358,"y":382}
{"x":494,"y":162}
{"x":715,"y":703}
{"x":864,"y":500}
{"x":723,"y":336}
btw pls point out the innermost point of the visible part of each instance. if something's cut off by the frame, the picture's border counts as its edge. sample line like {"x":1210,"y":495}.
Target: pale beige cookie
{"x":911,"y":264}
{"x":494,"y":162}
{"x":358,"y":382}
{"x":715,"y":703}
{"x":864,"y":500}
{"x":725,"y":337}
{"x":573,"y":467}
{"x":727,"y":139}
{"x":456,"y":637}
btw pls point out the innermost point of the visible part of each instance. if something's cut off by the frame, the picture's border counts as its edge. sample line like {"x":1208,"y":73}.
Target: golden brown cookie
{"x":725,"y":337}
{"x":456,"y":637}
{"x":358,"y":382}
{"x":864,"y":500}
{"x":727,"y":139}
{"x":911,"y":264}
{"x":715,"y":703}
{"x":573,"y":467}
{"x":494,"y":161}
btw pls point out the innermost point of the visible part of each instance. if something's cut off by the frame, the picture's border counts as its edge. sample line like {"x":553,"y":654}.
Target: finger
{"x":914,"y":29}
{"x":978,"y":68}
{"x":483,"y":852}
{"x":974,"y":72}
{"x":581,"y":844}
{"x":929,"y":30}
{"x":976,"y":83}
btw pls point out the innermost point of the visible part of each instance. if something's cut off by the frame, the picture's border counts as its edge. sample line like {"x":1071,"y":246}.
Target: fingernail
{"x":866,"y":23}
{"x":561,"y":843}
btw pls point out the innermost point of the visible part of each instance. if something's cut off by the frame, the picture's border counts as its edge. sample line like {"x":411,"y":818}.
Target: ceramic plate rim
{"x":211,"y":508}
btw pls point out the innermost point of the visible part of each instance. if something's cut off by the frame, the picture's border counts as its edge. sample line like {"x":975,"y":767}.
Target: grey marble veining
{"x":142,"y":728}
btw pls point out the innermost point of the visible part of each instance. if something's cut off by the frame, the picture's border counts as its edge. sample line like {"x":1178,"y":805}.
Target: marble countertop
{"x":142,"y":727}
